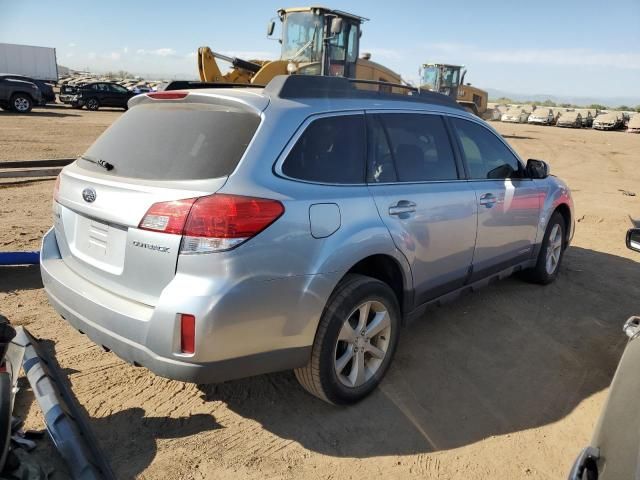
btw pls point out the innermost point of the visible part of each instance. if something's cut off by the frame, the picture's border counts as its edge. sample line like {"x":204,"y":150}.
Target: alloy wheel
{"x":362,"y":344}
{"x":554,"y":249}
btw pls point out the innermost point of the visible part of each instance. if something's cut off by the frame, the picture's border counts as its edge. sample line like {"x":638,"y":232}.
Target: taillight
{"x":172,"y":95}
{"x":167,"y":217}
{"x":187,"y":333}
{"x":213,"y":223}
{"x":56,"y":189}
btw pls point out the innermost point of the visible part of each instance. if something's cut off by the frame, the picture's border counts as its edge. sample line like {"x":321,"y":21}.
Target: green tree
{"x":548,"y":103}
{"x":623,"y":107}
{"x":637,"y":108}
{"x":597,"y":106}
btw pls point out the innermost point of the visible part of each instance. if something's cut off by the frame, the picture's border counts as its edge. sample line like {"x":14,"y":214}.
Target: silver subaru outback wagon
{"x":219,"y":233}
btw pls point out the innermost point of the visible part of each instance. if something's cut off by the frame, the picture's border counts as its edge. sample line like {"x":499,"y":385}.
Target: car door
{"x":120,"y":95}
{"x":508,"y":201}
{"x":4,"y":91}
{"x":105,"y":96}
{"x":428,"y":209}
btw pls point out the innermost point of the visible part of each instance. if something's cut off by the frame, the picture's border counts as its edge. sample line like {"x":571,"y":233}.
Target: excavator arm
{"x":242,"y":71}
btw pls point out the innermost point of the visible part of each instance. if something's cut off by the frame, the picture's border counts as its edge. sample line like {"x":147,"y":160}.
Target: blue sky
{"x":560,"y":47}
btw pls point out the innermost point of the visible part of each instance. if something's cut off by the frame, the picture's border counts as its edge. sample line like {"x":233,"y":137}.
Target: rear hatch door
{"x":159,"y":151}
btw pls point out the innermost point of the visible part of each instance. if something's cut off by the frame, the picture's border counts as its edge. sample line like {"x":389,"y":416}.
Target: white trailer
{"x":35,"y":62}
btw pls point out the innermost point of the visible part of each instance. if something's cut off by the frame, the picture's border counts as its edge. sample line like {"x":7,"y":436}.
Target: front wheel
{"x":21,"y":103}
{"x":551,"y":252}
{"x":355,"y":341}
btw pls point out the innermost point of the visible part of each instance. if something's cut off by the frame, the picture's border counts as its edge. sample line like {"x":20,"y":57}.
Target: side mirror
{"x":537,"y":169}
{"x":270,"y":27}
{"x":336,"y":25}
{"x":633,"y":239}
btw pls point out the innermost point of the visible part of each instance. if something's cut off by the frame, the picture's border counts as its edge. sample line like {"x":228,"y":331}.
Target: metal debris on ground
{"x":627,"y":193}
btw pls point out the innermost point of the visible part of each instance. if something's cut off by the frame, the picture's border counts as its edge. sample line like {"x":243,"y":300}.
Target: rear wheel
{"x":21,"y":103}
{"x":551,"y":252}
{"x":355,"y":341}
{"x":93,"y":104}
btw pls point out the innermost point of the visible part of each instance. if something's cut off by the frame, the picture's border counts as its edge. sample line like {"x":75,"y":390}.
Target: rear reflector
{"x":187,"y":333}
{"x":213,"y":223}
{"x":174,"y":95}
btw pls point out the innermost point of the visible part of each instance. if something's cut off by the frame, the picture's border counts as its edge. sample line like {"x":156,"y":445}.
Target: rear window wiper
{"x":101,"y":163}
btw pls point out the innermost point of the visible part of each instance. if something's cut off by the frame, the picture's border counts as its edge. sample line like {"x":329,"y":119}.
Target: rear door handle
{"x":488,"y":200}
{"x":402,"y":207}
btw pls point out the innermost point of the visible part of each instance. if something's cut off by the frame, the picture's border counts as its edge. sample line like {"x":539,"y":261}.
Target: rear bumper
{"x":254,"y":328}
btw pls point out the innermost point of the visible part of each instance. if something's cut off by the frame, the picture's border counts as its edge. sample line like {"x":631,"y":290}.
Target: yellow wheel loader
{"x":449,"y":80}
{"x":315,"y":41}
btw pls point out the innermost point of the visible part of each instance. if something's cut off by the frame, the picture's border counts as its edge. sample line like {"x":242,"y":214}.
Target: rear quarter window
{"x":189,"y":141}
{"x":330,"y":150}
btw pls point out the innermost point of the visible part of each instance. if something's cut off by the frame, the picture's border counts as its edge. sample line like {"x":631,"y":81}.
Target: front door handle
{"x":488,"y":200}
{"x":402,"y":207}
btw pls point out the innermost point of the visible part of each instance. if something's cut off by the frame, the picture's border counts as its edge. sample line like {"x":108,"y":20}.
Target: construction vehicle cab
{"x":314,"y":41}
{"x":449,"y":80}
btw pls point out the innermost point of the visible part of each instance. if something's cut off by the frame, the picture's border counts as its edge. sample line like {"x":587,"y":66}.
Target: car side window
{"x":118,"y":89}
{"x":331,"y":150}
{"x":409,"y":147}
{"x":486,"y":156}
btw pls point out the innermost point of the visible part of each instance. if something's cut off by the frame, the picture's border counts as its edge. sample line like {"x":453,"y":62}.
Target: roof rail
{"x":317,"y":86}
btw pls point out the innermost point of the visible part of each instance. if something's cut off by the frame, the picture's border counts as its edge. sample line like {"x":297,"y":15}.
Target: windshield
{"x":449,"y":77}
{"x":429,"y":77}
{"x":302,"y":37}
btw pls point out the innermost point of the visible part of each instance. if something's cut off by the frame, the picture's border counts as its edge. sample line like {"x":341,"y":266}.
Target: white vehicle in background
{"x":542,"y":116}
{"x":634,"y":124}
{"x":515,"y":115}
{"x":609,"y":121}
{"x":587,"y":115}
{"x":570,"y":119}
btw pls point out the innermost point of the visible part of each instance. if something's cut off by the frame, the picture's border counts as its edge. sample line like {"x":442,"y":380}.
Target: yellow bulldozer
{"x":449,"y":80}
{"x":315,"y":41}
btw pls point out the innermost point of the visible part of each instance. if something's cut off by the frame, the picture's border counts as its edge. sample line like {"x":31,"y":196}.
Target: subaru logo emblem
{"x":89,"y":195}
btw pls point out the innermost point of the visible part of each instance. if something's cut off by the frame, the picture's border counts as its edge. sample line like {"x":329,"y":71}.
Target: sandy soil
{"x":506,"y":383}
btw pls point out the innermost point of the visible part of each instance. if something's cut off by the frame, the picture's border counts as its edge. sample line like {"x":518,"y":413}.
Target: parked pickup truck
{"x":18,"y":95}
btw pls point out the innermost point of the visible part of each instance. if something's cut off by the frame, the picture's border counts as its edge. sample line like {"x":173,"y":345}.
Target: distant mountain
{"x":630,"y":100}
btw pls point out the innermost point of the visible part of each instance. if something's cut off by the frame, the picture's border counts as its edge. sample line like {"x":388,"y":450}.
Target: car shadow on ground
{"x":519,"y":137}
{"x":19,"y":277}
{"x":40,"y":113}
{"x":510,"y":357}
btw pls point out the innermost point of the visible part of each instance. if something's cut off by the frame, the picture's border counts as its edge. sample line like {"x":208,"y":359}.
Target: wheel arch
{"x":387,"y":269}
{"x":564,"y":210}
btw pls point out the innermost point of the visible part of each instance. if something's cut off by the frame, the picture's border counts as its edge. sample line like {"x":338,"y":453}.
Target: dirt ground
{"x":506,"y":383}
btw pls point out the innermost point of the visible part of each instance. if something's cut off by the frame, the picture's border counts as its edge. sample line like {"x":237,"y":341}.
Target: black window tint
{"x":331,"y":150}
{"x":485,"y":154}
{"x":380,"y":167}
{"x":175,"y":141}
{"x":419,"y":146}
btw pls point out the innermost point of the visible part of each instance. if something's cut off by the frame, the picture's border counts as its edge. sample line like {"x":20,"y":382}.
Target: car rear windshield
{"x":189,"y":141}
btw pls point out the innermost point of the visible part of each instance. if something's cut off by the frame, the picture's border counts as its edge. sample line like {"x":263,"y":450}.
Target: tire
{"x":21,"y":103}
{"x":92,"y":104}
{"x":344,"y":370}
{"x":546,"y":269}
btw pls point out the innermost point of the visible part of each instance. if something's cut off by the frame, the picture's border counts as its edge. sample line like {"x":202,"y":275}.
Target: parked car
{"x":18,"y":95}
{"x":570,"y":119}
{"x":515,"y":115}
{"x":613,"y":451}
{"x":216,"y":234}
{"x":97,"y":94}
{"x":542,"y":116}
{"x":609,"y":121}
{"x":634,"y":124}
{"x":587,"y":116}
{"x":46,"y":89}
